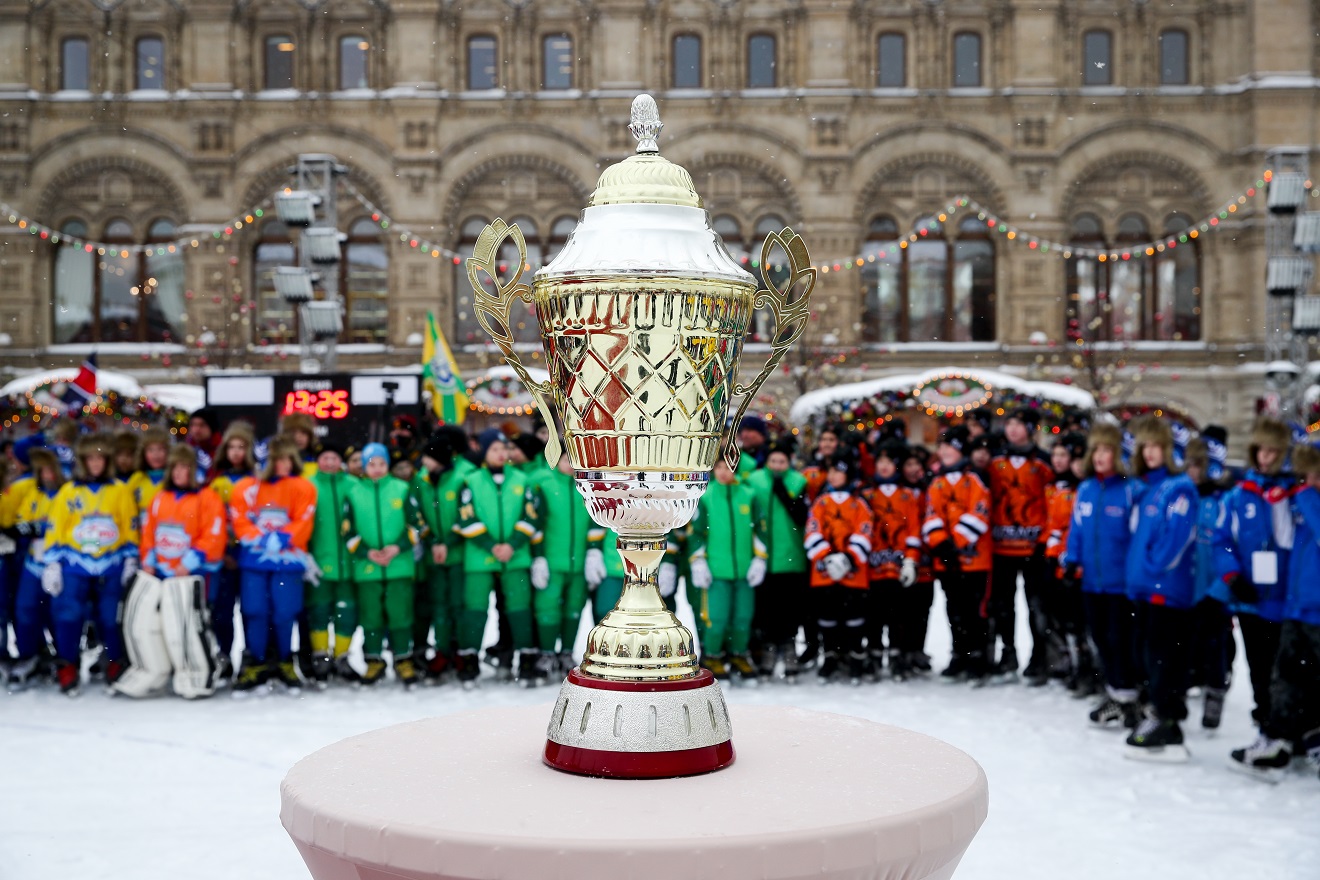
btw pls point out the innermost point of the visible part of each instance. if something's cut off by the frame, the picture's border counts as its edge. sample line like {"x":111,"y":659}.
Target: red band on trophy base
{"x":701,"y":680}
{"x":638,"y":765}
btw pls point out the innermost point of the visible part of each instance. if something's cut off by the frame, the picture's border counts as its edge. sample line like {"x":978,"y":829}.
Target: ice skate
{"x":900,"y":667}
{"x":860,"y":668}
{"x":501,"y":662}
{"x":286,"y":673}
{"x":251,"y":677}
{"x":875,"y":665}
{"x":791,"y":667}
{"x":224,"y":671}
{"x":375,"y":671}
{"x":405,"y":668}
{"x":1212,"y":710}
{"x":955,"y":672}
{"x":1158,"y":741}
{"x":1006,"y":670}
{"x":565,"y":661}
{"x":438,"y":668}
{"x":829,"y":667}
{"x":465,"y":664}
{"x":744,"y":671}
{"x":67,"y":675}
{"x":717,"y":665}
{"x":1311,"y":747}
{"x":22,"y":675}
{"x":344,"y":671}
{"x":321,"y":667}
{"x":1266,"y":759}
{"x":531,"y":669}
{"x":1111,"y":713}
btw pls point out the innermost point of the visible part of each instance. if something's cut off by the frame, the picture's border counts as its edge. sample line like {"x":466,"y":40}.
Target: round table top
{"x":467,"y":796}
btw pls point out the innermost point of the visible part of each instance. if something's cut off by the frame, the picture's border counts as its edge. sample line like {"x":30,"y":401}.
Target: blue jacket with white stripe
{"x":1161,"y":560}
{"x":1100,"y":533}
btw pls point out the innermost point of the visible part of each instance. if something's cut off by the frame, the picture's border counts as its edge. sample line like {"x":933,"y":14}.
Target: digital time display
{"x":323,"y":404}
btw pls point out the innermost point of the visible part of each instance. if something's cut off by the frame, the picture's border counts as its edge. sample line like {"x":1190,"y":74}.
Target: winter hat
{"x":444,"y":443}
{"x":981,"y":418}
{"x":955,"y":437}
{"x":374,"y":450}
{"x":95,"y":444}
{"x":982,"y":441}
{"x":238,"y":430}
{"x":278,"y":447}
{"x":1197,"y":454}
{"x":1152,"y":431}
{"x":40,"y":457}
{"x":1026,"y":415}
{"x":182,"y":453}
{"x":783,"y":446}
{"x":1216,"y":444}
{"x":1306,"y":460}
{"x":754,"y":423}
{"x":1103,"y":434}
{"x":295,"y":422}
{"x":1074,"y":443}
{"x":336,"y":448}
{"x":530,"y":444}
{"x":845,"y":464}
{"x":405,"y":423}
{"x":24,"y":446}
{"x":1272,"y":433}
{"x":209,"y":416}
{"x":893,"y":449}
{"x":486,"y":438}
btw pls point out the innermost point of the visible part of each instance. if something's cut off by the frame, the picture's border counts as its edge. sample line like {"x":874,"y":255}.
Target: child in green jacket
{"x":382,"y":524}
{"x":331,"y":596}
{"x":566,"y":527}
{"x":728,"y":564}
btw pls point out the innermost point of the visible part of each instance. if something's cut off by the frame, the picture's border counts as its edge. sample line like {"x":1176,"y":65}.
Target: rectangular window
{"x":279,"y":62}
{"x":1097,"y":62}
{"x":1173,"y":58}
{"x":354,"y":53}
{"x":687,"y":61}
{"x":557,"y":62}
{"x":73,"y":65}
{"x":891,"y":61}
{"x":150,"y":63}
{"x":481,"y":64}
{"x":966,"y":61}
{"x":761,"y":61}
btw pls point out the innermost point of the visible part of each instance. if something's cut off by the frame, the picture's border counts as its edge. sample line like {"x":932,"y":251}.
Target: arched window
{"x":75,"y":288}
{"x":354,"y":62}
{"x":891,"y":61}
{"x":763,"y":320}
{"x":1151,"y":291}
{"x":163,"y":283}
{"x":276,"y":320}
{"x":365,"y":284}
{"x":1097,"y":58}
{"x":279,"y":62}
{"x":556,"y":62}
{"x":481,"y":63}
{"x":467,"y":330}
{"x":74,"y":67}
{"x":966,"y":60}
{"x":532,"y":237}
{"x":150,"y":52}
{"x":730,"y":230}
{"x":1173,"y":57}
{"x":686,"y":73}
{"x":761,"y":62}
{"x":940,"y":288}
{"x":560,"y":230}
{"x":118,"y":281}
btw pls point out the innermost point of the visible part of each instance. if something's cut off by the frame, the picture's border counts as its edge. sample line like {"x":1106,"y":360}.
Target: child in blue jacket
{"x":1295,"y":681}
{"x":1161,"y":581}
{"x":1212,"y":628}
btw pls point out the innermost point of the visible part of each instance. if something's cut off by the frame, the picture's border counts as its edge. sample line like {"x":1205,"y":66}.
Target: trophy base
{"x":639,"y":729}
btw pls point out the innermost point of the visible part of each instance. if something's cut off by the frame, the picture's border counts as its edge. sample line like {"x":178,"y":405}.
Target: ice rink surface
{"x":119,"y":790}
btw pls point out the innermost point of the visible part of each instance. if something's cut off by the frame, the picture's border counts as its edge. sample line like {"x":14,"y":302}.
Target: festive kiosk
{"x":643,"y":315}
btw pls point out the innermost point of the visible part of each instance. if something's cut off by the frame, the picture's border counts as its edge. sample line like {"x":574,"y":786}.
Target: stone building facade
{"x":1104,"y":123}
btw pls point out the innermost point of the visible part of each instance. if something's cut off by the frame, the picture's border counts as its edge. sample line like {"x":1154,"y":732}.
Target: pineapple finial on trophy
{"x":646,"y":124}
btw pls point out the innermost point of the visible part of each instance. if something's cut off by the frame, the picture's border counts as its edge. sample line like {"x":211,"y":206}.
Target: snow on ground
{"x":164,"y":789}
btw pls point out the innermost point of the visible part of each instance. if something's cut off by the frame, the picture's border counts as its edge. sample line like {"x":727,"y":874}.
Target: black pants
{"x":1295,"y":682}
{"x":1260,"y":639}
{"x":881,"y":614}
{"x":841,"y":616}
{"x":1111,"y":624}
{"x":781,"y":607}
{"x":1212,"y":640}
{"x":1166,"y":635}
{"x":903,"y":611}
{"x":963,"y":595}
{"x":1001,"y":608}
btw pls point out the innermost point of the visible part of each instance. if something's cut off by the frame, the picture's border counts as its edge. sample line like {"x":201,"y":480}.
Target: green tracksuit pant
{"x":558,"y":610}
{"x":327,"y":602}
{"x":607,"y":596}
{"x":725,"y":616}
{"x":477,"y":587}
{"x":386,"y":607}
{"x":574,"y":598}
{"x":438,"y":606}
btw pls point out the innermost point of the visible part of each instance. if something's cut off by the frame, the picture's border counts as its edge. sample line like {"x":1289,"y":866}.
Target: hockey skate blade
{"x":1270,"y":775}
{"x":1161,"y":755}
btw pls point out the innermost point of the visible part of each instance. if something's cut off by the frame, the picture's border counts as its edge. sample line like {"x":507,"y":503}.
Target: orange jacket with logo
{"x":1017,"y":486}
{"x":897,"y":514}
{"x":958,"y":508}
{"x":1059,"y":500}
{"x":184,"y":533}
{"x":840,"y":522}
{"x":815,"y":475}
{"x":284,"y":508}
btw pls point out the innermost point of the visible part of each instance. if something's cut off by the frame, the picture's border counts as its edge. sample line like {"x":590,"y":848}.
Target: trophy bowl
{"x":643,"y":316}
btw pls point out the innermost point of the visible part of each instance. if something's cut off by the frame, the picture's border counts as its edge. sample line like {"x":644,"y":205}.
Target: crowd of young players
{"x":1136,"y":555}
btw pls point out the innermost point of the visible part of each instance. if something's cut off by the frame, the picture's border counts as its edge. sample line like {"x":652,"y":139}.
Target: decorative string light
{"x":158,"y":248}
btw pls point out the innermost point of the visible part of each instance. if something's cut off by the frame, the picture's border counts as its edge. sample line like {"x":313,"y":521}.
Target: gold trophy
{"x":643,"y":315}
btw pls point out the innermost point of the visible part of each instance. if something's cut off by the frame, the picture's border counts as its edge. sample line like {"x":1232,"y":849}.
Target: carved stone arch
{"x":276,"y":176}
{"x":760,"y":187}
{"x":97,"y":189}
{"x":923,"y":184}
{"x":1140,"y":180}
{"x":515,"y":183}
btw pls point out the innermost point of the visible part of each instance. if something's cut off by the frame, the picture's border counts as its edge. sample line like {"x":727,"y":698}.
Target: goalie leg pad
{"x":149,"y":661}
{"x":188,"y":636}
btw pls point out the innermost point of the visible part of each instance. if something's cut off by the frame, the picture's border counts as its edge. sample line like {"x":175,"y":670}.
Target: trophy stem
{"x":641,"y":574}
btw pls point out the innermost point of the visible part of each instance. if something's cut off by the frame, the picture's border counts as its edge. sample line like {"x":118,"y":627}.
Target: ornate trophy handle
{"x":790,"y":320}
{"x":493,"y":314}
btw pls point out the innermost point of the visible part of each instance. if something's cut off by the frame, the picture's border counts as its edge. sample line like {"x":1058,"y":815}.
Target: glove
{"x":1072,"y":575}
{"x":668,"y":579}
{"x":7,"y":545}
{"x":947,"y":552}
{"x":272,"y":544}
{"x":595,"y":567}
{"x":540,"y":572}
{"x":192,"y":561}
{"x":838,"y":566}
{"x":756,"y":574}
{"x":701,"y":576}
{"x":23,"y":529}
{"x":130,"y":571}
{"x":52,"y":579}
{"x":1243,"y":590}
{"x":907,"y":573}
{"x":1038,"y":554}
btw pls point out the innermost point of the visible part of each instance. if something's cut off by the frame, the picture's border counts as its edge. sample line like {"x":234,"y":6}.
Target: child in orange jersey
{"x":957,"y":528}
{"x":184,"y":532}
{"x":1018,"y":477}
{"x":838,"y":546}
{"x":1073,"y":660}
{"x":912,"y":471}
{"x":895,"y":550}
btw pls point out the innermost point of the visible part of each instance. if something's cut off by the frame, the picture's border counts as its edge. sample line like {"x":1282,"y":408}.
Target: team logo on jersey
{"x":396,"y":503}
{"x":172,"y":541}
{"x":271,"y":519}
{"x":95,"y":532}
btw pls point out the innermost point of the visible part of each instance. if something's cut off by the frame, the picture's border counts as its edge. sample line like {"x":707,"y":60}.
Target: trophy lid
{"x":645,"y":217}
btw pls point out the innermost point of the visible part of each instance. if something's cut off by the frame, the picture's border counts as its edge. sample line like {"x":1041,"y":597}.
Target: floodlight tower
{"x":1290,"y":268}
{"x":311,"y":205}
